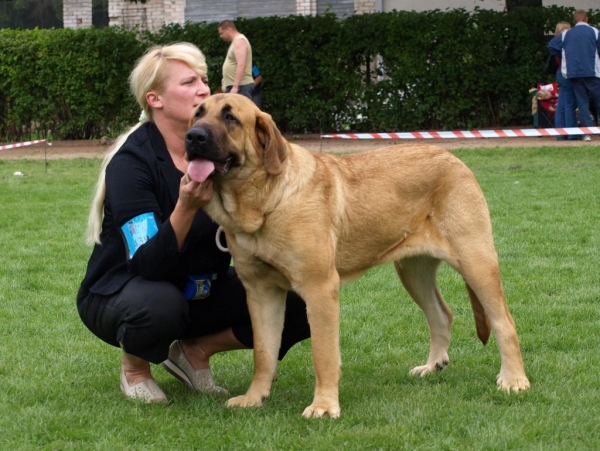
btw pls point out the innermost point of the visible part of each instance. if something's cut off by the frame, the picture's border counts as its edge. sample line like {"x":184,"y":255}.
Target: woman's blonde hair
{"x":560,"y":27}
{"x":149,"y":74}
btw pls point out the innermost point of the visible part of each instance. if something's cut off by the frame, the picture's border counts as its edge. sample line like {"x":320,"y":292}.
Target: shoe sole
{"x":178,"y":373}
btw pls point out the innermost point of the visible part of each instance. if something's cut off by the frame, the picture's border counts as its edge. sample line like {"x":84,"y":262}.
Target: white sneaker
{"x":587,"y":138}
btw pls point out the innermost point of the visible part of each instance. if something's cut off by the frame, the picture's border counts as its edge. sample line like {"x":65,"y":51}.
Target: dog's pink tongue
{"x":199,"y":170}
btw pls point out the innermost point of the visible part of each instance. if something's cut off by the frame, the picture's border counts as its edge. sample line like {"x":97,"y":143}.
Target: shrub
{"x":397,"y":71}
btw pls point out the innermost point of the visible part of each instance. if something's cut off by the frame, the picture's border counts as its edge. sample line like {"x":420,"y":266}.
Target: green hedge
{"x":70,"y":83}
{"x":387,"y":72}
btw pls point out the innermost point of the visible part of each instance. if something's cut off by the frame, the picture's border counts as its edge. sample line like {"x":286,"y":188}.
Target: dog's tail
{"x":482,"y":322}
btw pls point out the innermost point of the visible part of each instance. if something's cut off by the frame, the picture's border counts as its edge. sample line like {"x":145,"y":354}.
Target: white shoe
{"x":587,"y":138}
{"x":199,"y":380}
{"x":147,"y":391}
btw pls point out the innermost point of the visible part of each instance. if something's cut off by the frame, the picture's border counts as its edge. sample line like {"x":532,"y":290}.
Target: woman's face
{"x":183,"y":91}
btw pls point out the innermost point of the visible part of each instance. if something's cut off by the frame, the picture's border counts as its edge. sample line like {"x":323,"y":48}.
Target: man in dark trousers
{"x":237,"y":67}
{"x":579,"y":48}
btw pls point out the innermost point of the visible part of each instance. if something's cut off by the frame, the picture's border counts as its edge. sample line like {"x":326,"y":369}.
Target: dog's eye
{"x":229,"y":117}
{"x":198,"y":113}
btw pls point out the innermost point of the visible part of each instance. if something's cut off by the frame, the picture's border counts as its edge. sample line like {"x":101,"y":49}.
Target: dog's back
{"x":392,"y":203}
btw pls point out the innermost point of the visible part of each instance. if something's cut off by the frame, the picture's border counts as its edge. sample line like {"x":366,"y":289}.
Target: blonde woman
{"x":157,"y":284}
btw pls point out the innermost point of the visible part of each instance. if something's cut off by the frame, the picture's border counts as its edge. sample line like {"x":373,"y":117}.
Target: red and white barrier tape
{"x":515,"y":133}
{"x":23,"y":144}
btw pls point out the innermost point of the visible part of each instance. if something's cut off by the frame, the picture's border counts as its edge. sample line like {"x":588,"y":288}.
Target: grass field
{"x":59,"y":385}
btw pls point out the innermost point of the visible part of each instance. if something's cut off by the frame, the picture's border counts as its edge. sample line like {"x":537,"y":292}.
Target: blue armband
{"x":138,"y":231}
{"x":198,"y":286}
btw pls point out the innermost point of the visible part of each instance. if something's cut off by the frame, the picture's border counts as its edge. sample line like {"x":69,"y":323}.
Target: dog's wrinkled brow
{"x":227,"y":113}
{"x":200,"y":112}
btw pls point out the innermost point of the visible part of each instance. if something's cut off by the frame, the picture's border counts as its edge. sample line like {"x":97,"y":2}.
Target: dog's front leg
{"x":322,"y":302}
{"x":267,"y":312}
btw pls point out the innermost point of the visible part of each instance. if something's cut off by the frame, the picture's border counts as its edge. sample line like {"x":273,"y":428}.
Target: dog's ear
{"x":273,"y":144}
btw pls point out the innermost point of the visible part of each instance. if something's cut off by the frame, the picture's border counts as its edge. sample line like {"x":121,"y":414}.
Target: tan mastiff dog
{"x":303,"y":221}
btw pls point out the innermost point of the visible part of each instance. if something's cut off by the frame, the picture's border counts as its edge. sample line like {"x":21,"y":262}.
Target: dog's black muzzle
{"x":200,"y":143}
{"x":196,"y":141}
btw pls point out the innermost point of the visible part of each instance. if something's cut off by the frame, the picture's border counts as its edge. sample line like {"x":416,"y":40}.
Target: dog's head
{"x":227,"y":133}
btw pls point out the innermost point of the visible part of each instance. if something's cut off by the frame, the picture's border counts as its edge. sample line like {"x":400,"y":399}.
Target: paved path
{"x":93,"y":148}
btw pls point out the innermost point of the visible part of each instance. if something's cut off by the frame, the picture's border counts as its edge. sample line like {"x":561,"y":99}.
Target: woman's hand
{"x":192,"y":197}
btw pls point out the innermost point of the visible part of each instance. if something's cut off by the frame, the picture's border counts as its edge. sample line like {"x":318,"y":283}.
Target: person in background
{"x":566,"y":109}
{"x":257,"y":90}
{"x":158,"y":283}
{"x":237,"y":67}
{"x":579,"y":50}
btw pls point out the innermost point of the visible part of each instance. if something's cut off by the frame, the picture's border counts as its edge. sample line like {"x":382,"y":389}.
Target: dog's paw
{"x":512,"y":384}
{"x":322,"y":410}
{"x":431,"y":367}
{"x":245,"y":401}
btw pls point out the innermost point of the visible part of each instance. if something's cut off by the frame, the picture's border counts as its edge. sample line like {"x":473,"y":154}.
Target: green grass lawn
{"x":59,"y":385}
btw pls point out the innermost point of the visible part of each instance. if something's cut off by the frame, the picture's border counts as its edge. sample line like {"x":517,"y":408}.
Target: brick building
{"x":77,"y":13}
{"x":155,"y":13}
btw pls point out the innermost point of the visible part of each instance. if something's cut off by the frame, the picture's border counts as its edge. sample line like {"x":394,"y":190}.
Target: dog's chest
{"x":246,"y":243}
{"x":254,"y":250}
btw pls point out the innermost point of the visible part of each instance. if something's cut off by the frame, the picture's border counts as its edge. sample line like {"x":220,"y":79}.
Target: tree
{"x":511,"y":5}
{"x":29,"y":14}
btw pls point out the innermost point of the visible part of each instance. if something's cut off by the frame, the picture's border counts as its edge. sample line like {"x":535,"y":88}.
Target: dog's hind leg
{"x":482,"y":275}
{"x":418,"y":275}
